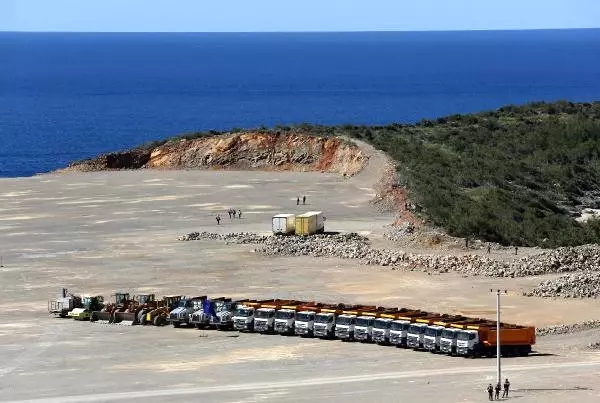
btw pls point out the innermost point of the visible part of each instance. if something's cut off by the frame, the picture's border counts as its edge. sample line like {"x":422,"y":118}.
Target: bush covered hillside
{"x":518,"y":175}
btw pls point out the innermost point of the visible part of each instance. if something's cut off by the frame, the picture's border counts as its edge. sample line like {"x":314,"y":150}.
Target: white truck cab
{"x":399,"y":332}
{"x":466,"y":341}
{"x":264,"y":320}
{"x":243,"y":318}
{"x":448,"y":341}
{"x":416,"y":335}
{"x":344,"y":327}
{"x":304,"y":323}
{"x":284,"y":321}
{"x":363,"y":328}
{"x":432,"y":337}
{"x":381,"y":330}
{"x":324,"y":325}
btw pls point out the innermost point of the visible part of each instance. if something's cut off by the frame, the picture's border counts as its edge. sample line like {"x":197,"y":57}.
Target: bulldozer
{"x":64,"y":303}
{"x":89,"y":304}
{"x":136,"y":310}
{"x":106,"y":314}
{"x":159,"y":315}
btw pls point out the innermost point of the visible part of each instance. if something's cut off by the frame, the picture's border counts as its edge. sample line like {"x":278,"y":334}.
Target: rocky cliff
{"x":266,"y":151}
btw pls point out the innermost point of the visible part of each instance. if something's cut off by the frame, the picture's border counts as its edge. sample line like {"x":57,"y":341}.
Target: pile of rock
{"x":574,"y":285}
{"x":354,"y":246}
{"x":564,"y":329}
{"x":594,"y":346}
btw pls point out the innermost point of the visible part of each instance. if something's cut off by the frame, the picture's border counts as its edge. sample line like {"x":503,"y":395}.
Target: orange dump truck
{"x":450,"y":333}
{"x":480,"y":340}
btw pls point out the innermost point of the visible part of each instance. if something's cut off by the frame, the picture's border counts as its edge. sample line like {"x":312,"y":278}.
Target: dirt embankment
{"x":242,"y":151}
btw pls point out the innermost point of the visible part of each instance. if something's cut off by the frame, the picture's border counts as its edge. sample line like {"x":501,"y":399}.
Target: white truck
{"x":363,"y":328}
{"x":382,"y":328}
{"x":344,"y":327}
{"x":304,"y":323}
{"x":243,"y":318}
{"x":449,"y":335}
{"x":416,"y":335}
{"x":186,"y":306}
{"x":264,"y":320}
{"x":432,"y":338}
{"x":325,"y":322}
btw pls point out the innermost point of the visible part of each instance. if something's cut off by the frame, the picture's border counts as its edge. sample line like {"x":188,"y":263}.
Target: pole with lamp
{"x":498,"y":354}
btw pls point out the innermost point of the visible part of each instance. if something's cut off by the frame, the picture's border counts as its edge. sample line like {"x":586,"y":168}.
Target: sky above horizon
{"x":289,"y":15}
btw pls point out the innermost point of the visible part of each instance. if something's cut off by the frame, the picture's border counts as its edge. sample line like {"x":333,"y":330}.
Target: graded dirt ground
{"x":100,"y":232}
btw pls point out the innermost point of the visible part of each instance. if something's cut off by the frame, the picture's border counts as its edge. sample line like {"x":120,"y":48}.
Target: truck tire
{"x":176,"y":324}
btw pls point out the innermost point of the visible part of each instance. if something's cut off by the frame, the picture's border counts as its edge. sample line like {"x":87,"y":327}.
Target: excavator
{"x":89,"y":304}
{"x":106,"y":314}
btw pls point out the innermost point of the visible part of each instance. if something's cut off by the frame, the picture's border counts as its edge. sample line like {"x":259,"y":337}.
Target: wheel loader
{"x":89,"y":304}
{"x":159,"y":315}
{"x":106,"y":314}
{"x":136,"y":310}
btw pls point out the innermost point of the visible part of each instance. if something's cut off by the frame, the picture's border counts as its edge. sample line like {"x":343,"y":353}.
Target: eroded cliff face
{"x":240,"y":151}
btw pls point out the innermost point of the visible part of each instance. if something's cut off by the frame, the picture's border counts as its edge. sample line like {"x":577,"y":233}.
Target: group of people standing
{"x":298,"y":200}
{"x":232,"y":214}
{"x":495,"y":392}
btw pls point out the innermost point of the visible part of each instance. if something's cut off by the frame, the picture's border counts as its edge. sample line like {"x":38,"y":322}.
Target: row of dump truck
{"x":310,"y":223}
{"x":455,"y":335}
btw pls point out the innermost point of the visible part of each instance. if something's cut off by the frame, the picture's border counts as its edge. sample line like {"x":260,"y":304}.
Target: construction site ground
{"x":96,"y":233}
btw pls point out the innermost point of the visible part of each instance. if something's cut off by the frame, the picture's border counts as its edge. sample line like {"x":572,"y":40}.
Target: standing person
{"x":489,"y":248}
{"x":490,"y":390}
{"x":516,"y":249}
{"x":233,"y":212}
{"x":297,"y":200}
{"x":498,"y":391}
{"x":218,"y":219}
{"x":303,"y":200}
{"x":239,"y":213}
{"x":229,"y":212}
{"x":506,"y":387}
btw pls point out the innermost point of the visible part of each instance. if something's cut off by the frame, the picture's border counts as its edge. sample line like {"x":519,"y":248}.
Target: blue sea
{"x":66,"y":96}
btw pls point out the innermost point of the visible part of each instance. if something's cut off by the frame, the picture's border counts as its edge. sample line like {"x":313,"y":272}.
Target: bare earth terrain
{"x":98,"y":232}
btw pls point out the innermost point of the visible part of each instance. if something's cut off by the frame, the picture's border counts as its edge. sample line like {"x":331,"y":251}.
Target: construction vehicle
{"x":264,"y":317}
{"x":324,"y":323}
{"x":105,"y":315}
{"x":224,"y":310}
{"x":416,"y":331}
{"x":89,"y":304}
{"x":399,"y":327}
{"x":304,"y":321}
{"x":480,"y":340}
{"x":450,"y":333}
{"x":186,"y":306}
{"x":136,"y":310}
{"x":243,"y":317}
{"x":382,"y":325}
{"x":204,"y":317}
{"x":346,"y":321}
{"x":363,"y":327}
{"x":64,"y":303}
{"x":158,"y":316}
{"x":285,"y":318}
{"x":433,"y":333}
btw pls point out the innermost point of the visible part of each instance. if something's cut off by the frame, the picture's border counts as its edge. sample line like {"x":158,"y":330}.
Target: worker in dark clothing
{"x":506,"y":387}
{"x":303,"y":199}
{"x":239,"y":213}
{"x":218,"y":219}
{"x":229,"y":212}
{"x":490,"y":390}
{"x":498,"y":391}
{"x":516,"y":249}
{"x":298,"y":201}
{"x":233,"y":212}
{"x":489,"y":248}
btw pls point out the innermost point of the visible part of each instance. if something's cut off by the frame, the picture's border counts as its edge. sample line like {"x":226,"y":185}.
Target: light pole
{"x":498,"y":363}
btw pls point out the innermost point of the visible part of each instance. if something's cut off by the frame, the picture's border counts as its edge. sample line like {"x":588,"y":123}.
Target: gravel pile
{"x":354,"y":246}
{"x":574,"y":285}
{"x":564,"y":329}
{"x":594,"y":346}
